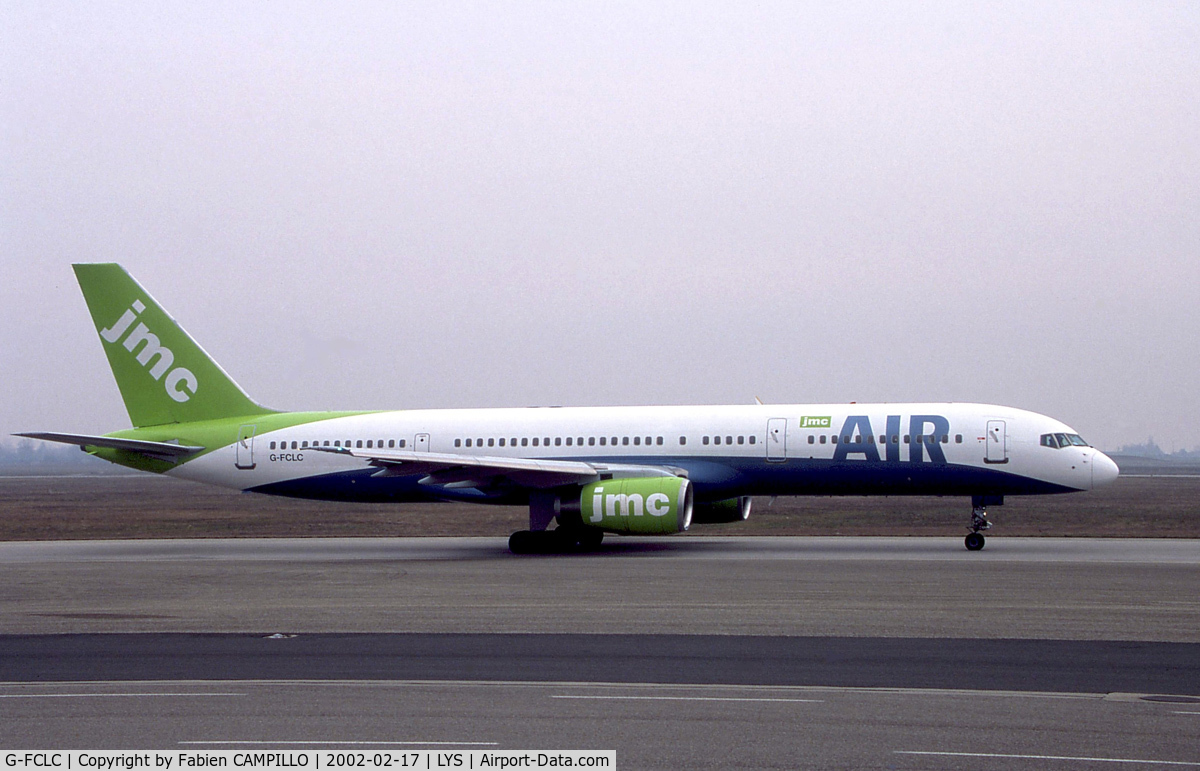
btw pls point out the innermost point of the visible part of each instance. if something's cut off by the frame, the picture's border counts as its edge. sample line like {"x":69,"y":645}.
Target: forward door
{"x":777,"y":439}
{"x":997,"y":442}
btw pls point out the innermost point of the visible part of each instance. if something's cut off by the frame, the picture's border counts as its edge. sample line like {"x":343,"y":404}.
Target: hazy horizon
{"x":389,"y":206}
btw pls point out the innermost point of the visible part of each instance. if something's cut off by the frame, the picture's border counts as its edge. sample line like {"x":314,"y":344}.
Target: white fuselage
{"x":822,"y":449}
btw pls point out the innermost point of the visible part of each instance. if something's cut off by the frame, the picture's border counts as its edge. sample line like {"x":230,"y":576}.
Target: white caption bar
{"x":302,"y":760}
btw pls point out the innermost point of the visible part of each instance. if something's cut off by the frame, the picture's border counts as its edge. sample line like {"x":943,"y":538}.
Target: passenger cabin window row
{"x":357,"y":444}
{"x":884,"y":439}
{"x":1059,"y":441}
{"x":559,"y":441}
{"x":727,"y":439}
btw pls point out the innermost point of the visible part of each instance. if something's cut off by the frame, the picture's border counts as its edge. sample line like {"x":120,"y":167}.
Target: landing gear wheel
{"x":974,"y":541}
{"x":590,"y":539}
{"x":570,"y":540}
{"x":523,"y":542}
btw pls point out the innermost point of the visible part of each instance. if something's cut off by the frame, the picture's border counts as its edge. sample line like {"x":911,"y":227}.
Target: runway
{"x":686,"y":652}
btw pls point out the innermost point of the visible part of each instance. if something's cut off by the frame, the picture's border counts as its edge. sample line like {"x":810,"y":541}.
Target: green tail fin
{"x":164,"y":376}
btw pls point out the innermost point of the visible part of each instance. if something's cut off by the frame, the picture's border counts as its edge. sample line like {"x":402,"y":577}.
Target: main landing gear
{"x":561,"y":540}
{"x":979,"y":521}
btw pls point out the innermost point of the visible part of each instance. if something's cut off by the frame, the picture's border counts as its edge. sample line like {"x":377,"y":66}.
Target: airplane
{"x":587,"y":470}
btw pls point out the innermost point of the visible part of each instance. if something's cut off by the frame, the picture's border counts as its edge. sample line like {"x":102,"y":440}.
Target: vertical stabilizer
{"x":164,"y":376}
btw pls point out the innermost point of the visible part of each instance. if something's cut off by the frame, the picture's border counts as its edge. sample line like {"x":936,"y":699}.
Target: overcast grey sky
{"x":448,"y":205}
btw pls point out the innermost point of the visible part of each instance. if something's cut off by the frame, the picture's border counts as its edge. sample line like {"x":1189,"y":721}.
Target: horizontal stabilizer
{"x":167,"y":451}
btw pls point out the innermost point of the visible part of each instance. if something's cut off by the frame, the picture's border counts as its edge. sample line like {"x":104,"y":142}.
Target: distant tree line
{"x":26,"y":453}
{"x":1151,"y":450}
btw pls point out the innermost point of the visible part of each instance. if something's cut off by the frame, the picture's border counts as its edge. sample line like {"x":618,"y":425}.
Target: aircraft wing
{"x":167,"y":451}
{"x":452,"y":470}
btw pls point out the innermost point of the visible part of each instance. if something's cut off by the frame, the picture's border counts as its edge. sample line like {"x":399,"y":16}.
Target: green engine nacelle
{"x":650,"y":505}
{"x":716,"y":512}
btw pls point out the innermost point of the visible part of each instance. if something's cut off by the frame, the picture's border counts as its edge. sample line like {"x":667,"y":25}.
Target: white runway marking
{"x":1008,"y":756}
{"x":104,"y":695}
{"x":356,"y":743}
{"x":690,"y":698}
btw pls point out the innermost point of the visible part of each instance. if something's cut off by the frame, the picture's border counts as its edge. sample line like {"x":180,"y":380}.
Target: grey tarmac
{"x":678,"y":653}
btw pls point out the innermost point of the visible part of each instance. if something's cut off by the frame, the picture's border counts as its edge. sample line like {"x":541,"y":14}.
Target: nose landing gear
{"x":979,"y":521}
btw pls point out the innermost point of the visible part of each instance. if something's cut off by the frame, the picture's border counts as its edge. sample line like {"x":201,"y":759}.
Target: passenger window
{"x":624,"y":441}
{"x":303,"y":445}
{"x":603,"y":441}
{"x":579,"y":440}
{"x":295,"y":447}
{"x":401,"y":443}
{"x":752,"y":440}
{"x":741,"y":440}
{"x":491,"y":441}
{"x":660,"y":440}
{"x":822,"y":439}
{"x":468,"y":442}
{"x":945,"y":439}
{"x":336,"y":443}
{"x":272,"y":445}
{"x":558,"y":441}
{"x":704,"y":440}
{"x":906,"y":437}
{"x":524,"y":441}
{"x":358,"y":444}
{"x":458,"y":443}
{"x":833,"y":439}
{"x":391,"y":443}
{"x":729,"y":440}
{"x":535,"y":441}
{"x":637,"y":441}
{"x":614,"y":441}
{"x":501,"y":441}
{"x":591,"y":441}
{"x":716,"y":440}
{"x":682,"y":440}
{"x":958,"y":438}
{"x":569,"y":438}
{"x":545,"y":441}
{"x":812,"y":439}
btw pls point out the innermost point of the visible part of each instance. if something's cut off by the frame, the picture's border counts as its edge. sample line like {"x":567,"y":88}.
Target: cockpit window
{"x":1063,"y":440}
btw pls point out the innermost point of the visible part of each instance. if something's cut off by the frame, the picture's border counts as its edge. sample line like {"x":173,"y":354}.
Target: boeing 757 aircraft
{"x":587,"y":470}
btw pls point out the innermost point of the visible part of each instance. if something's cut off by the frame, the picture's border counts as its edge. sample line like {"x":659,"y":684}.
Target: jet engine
{"x":646,"y":506}
{"x":717,"y":512}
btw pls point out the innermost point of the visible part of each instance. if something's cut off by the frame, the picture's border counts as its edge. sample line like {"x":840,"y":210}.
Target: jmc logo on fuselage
{"x":180,"y":382}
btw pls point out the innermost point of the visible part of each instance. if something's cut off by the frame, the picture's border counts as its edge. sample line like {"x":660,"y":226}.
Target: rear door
{"x":245,"y":447}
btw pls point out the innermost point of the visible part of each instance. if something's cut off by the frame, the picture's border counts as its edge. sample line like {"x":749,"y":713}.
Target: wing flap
{"x":452,"y":470}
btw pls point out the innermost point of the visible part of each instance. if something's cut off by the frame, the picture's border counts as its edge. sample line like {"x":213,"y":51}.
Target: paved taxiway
{"x":686,"y":652}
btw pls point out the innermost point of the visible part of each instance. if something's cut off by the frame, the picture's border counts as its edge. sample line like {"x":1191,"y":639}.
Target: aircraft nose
{"x":1104,"y":470}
